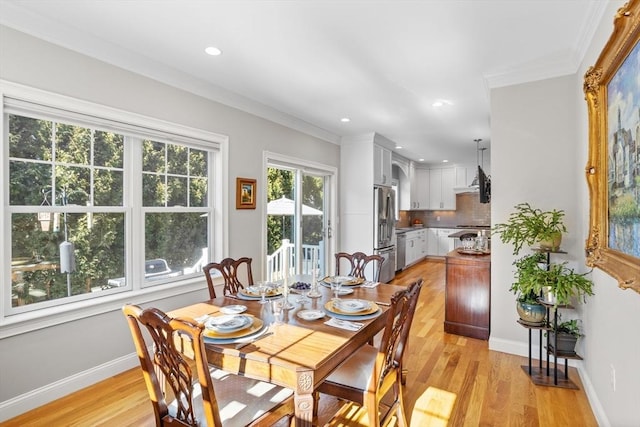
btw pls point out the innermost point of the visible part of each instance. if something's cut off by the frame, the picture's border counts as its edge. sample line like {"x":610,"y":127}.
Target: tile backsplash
{"x":469,"y":211}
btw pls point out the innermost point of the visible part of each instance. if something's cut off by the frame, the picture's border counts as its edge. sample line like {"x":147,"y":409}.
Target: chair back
{"x":387,"y":370}
{"x":358,"y":262}
{"x":166,"y":334}
{"x":232,"y":270}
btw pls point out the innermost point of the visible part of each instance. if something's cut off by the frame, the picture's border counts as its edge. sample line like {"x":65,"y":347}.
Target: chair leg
{"x":373,"y":411}
{"x":316,"y":403}
{"x":400,"y":415}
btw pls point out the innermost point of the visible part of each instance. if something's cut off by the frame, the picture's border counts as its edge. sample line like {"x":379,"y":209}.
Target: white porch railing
{"x":275,"y":260}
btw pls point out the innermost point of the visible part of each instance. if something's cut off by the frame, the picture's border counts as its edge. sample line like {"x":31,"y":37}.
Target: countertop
{"x":467,"y":231}
{"x":454,"y":254}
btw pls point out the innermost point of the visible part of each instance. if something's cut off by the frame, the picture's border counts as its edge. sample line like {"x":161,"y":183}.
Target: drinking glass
{"x":277,"y":306}
{"x":262,"y":289}
{"x":336,"y":285}
{"x":313,"y":292}
{"x":303,"y":296}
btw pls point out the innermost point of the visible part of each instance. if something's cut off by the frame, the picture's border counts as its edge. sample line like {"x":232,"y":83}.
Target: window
{"x":101,"y":203}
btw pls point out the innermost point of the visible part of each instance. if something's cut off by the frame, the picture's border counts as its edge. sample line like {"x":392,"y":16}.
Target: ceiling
{"x":307,"y":64}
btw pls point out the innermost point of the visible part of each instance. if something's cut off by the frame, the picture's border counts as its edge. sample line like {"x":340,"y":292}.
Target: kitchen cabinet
{"x":381,"y":165}
{"x":468,"y":295}
{"x":438,"y":241}
{"x":441,"y":189}
{"x":415,"y":246}
{"x":419,"y":188}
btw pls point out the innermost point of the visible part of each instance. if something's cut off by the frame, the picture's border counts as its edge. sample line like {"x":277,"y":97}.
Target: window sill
{"x":38,"y":319}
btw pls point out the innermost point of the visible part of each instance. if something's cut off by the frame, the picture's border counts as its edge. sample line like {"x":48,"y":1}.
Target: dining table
{"x":293,"y":350}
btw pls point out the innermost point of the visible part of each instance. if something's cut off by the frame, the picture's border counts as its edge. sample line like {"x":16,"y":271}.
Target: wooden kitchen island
{"x":468,"y":294}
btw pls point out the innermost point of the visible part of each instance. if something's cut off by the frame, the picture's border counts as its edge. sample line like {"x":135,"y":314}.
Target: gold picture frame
{"x":613,"y":168}
{"x":245,"y":193}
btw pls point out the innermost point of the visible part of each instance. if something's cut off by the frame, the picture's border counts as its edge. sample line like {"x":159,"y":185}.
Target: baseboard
{"x":594,"y":402}
{"x":43,"y":395}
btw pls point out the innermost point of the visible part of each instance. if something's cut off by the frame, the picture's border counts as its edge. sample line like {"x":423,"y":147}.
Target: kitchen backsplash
{"x":469,"y":211}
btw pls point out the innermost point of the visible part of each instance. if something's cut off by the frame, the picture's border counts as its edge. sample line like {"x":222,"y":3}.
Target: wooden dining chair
{"x":358,"y":262}
{"x":172,"y":354}
{"x":371,"y":374}
{"x":232,"y":271}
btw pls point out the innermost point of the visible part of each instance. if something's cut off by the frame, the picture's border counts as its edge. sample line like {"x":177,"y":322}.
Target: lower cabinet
{"x":416,"y":246}
{"x":438,"y":241}
{"x":467,"y":295}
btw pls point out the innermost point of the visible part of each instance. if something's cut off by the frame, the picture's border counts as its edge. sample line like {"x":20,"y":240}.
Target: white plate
{"x":310,"y":314}
{"x":352,"y":305}
{"x":233,"y":309}
{"x":228,"y":323}
{"x":345,"y":291}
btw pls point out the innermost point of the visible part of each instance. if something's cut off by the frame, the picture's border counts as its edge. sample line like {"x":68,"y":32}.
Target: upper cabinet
{"x":419,"y":188}
{"x":441,"y":193}
{"x":381,"y":165}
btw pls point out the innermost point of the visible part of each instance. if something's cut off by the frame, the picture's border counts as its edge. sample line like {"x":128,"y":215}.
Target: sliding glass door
{"x":297,"y":220}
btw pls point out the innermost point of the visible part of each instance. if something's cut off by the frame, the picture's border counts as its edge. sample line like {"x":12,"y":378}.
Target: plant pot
{"x":532,"y":314}
{"x":566,"y":342}
{"x":551,"y":244}
{"x":548,"y":296}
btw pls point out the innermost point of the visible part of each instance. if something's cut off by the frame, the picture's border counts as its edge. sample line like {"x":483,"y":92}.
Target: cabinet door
{"x":435,"y":188}
{"x":448,"y":194}
{"x":420,"y":189}
{"x":432,"y":241}
{"x":445,"y":243}
{"x":382,"y":165}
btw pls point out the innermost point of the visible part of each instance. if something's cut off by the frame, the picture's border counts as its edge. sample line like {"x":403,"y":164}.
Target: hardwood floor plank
{"x":452,"y":381}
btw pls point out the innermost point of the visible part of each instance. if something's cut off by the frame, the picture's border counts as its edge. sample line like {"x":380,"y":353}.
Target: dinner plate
{"x":342,"y":291}
{"x":354,"y":316}
{"x":255,"y":326}
{"x":346,"y":280}
{"x":352,"y":305}
{"x":233,"y":309}
{"x":228,"y":323}
{"x":214,"y":339}
{"x":310,"y":314}
{"x":330,"y":307}
{"x":252,"y":292}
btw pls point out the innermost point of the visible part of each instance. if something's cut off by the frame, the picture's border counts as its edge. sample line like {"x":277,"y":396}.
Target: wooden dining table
{"x":298,"y":354}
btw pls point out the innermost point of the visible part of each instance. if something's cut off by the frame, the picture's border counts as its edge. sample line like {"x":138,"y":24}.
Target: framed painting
{"x":612,"y":92}
{"x":245,"y":193}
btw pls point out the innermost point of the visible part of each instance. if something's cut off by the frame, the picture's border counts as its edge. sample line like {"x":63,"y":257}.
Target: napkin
{"x":369,"y":284}
{"x":344,"y":324}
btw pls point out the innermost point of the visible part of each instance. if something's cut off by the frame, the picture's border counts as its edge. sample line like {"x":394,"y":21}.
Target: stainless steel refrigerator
{"x":384,"y":235}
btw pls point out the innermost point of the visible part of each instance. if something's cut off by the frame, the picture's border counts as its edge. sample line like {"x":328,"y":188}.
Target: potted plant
{"x":528,"y":289}
{"x":560,"y":284}
{"x":528,"y":225}
{"x":565,"y":336}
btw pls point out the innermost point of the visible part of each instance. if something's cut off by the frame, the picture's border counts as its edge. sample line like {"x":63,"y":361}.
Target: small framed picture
{"x":245,"y":193}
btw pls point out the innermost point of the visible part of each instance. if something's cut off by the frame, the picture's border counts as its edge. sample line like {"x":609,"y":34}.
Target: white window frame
{"x":13,"y":322}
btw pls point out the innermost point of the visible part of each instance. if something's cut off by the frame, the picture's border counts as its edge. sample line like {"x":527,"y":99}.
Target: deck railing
{"x":275,"y":261}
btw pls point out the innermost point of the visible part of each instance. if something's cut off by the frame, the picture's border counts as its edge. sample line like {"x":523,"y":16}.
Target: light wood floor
{"x":453,"y":381}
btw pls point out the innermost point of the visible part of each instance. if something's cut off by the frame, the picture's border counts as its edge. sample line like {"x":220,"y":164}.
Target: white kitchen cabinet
{"x":381,"y":165}
{"x":441,"y":189}
{"x":438,"y":241}
{"x":419,"y":188}
{"x":415,"y":248}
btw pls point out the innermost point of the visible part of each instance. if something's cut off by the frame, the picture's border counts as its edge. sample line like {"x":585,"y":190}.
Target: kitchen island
{"x":468,"y":294}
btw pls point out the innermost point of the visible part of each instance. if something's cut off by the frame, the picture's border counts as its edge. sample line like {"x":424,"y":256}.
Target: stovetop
{"x":473,"y":226}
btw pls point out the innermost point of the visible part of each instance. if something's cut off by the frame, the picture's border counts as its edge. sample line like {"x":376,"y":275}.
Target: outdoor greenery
{"x":281,"y":182}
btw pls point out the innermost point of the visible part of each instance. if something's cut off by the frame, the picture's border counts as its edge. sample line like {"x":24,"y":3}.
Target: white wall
{"x":539,"y":152}
{"x":37,"y":365}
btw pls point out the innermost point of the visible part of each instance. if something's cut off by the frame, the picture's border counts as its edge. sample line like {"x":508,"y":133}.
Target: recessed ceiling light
{"x":445,"y":161}
{"x":441,"y":103}
{"x":398,"y":147}
{"x":345,"y":120}
{"x":421,"y":160}
{"x":213,"y":51}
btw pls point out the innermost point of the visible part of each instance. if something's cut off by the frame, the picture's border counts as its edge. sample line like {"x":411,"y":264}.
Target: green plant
{"x":565,"y":283}
{"x":528,"y":225}
{"x":570,"y":327}
{"x":527,"y":286}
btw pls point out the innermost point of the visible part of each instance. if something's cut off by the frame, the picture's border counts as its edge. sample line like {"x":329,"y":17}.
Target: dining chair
{"x":231,"y":270}
{"x":371,"y":374}
{"x":181,"y":386}
{"x":358,"y":261}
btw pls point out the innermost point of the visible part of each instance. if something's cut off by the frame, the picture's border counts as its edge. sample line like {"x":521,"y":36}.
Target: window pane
{"x":73,"y":144}
{"x":107,"y":188}
{"x":153,"y":190}
{"x":179,"y":239}
{"x":177,"y":159}
{"x":36,"y":260}
{"x":108,"y":149}
{"x":153,"y":156}
{"x":198,"y":192}
{"x":75,"y":182}
{"x":198,"y":163}
{"x":29,"y":138}
{"x":27,"y":180}
{"x":177,"y":191}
